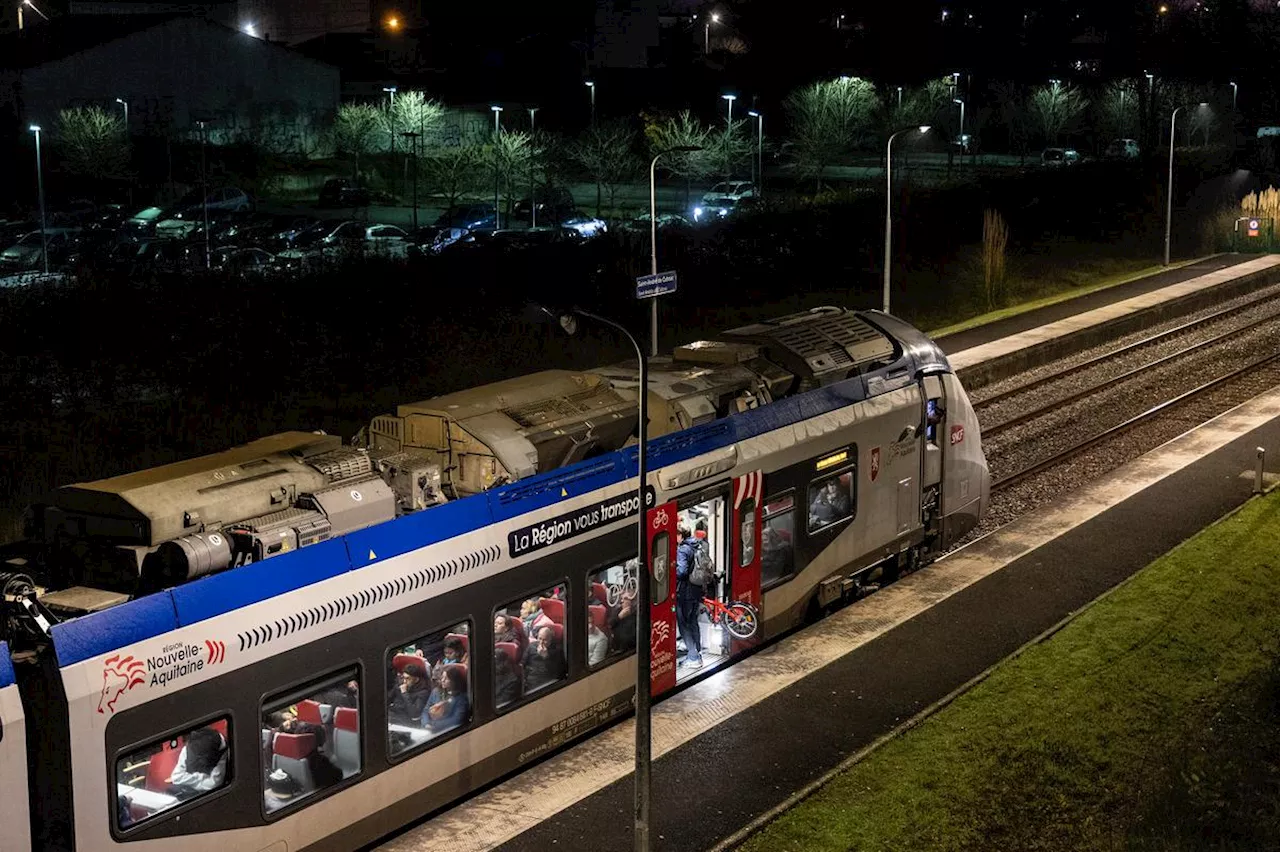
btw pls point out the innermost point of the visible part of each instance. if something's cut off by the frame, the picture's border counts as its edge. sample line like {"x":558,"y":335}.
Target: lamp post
{"x":44,"y":236}
{"x":899,"y":97}
{"x":759,"y":176}
{"x":497,"y":116}
{"x":28,"y":4}
{"x":730,"y":99}
{"x":1056,"y":84}
{"x":644,"y":597}
{"x":204,"y":191}
{"x":653,"y":235}
{"x":125,"y":104}
{"x":412,"y":136}
{"x":533,"y":195}
{"x":1168,"y":209}
{"x":888,"y":209}
{"x":963,"y":147}
{"x":706,"y":33}
{"x":591,"y":84}
{"x":1235,"y":90}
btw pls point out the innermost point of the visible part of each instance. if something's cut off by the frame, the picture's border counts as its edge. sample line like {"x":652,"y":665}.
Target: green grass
{"x":1060,"y":286}
{"x":1149,"y":722}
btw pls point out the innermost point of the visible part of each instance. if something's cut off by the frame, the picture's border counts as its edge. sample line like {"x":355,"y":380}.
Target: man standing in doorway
{"x":688,"y":597}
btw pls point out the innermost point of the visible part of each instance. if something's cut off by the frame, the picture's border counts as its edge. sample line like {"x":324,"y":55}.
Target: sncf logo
{"x":119,"y":675}
{"x":174,"y":662}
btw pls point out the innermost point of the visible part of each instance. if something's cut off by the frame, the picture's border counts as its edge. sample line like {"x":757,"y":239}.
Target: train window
{"x":164,"y":774}
{"x":747,"y":532}
{"x":430,"y":688}
{"x":777,"y":538}
{"x":611,"y":611}
{"x":831,"y":500}
{"x":310,"y":740}
{"x":542,"y":662}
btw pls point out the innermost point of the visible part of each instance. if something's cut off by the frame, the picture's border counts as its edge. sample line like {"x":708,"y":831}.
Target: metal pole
{"x":760,"y":153}
{"x":44,"y":235}
{"x":706,"y":39}
{"x":204,"y":190}
{"x":653,"y":252}
{"x":497,"y":213}
{"x":533,"y":194}
{"x":1258,"y":471}
{"x":888,"y":217}
{"x":1168,"y":212}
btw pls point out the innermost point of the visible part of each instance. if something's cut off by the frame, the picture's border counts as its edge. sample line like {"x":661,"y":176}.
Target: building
{"x":173,"y":71}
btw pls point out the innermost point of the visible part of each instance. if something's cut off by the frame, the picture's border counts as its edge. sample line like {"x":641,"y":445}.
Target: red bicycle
{"x":739,"y":618}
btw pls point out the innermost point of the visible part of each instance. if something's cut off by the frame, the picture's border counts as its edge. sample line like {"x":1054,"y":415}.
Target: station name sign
{"x":528,"y":539}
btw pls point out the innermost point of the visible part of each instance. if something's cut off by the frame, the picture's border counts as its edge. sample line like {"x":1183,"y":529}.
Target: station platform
{"x":738,"y":743}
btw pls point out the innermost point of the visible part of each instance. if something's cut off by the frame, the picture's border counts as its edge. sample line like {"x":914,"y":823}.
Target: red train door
{"x":744,"y":585}
{"x":662,"y":584}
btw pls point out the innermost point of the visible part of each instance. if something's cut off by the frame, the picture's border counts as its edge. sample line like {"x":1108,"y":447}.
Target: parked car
{"x":555,"y":203}
{"x":341,"y":192}
{"x":730,"y":190}
{"x":28,"y":252}
{"x":247,"y":263}
{"x":473,"y":217}
{"x":142,"y":223}
{"x":585,"y":226}
{"x":1059,"y":157}
{"x":180,"y":220}
{"x":666,"y":221}
{"x":705,"y":213}
{"x":1122,"y":149}
{"x":351,"y":239}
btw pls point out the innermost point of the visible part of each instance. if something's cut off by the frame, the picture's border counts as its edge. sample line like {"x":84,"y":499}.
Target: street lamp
{"x":533,"y":195}
{"x":899,"y":97}
{"x":653,"y":235}
{"x":644,"y":597}
{"x":44,"y":236}
{"x":1055,"y":84}
{"x":730,"y":99}
{"x":391,"y":90}
{"x":1235,"y":90}
{"x":497,"y":115}
{"x":28,"y":4}
{"x":759,"y":176}
{"x":963,"y":146}
{"x":888,"y":208}
{"x":1168,"y":210}
{"x":412,"y":136}
{"x":591,"y":84}
{"x":125,"y":104}
{"x":706,"y":33}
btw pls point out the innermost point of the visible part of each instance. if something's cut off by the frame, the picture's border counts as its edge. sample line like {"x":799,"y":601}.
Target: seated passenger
{"x":529,"y":612}
{"x":506,"y":682}
{"x":453,"y":708}
{"x":454,"y":652}
{"x":347,"y":695}
{"x":622,"y":623}
{"x":597,"y":643}
{"x":286,"y":722}
{"x":201,"y":766}
{"x":543,"y":661}
{"x":504,"y":630}
{"x":831,"y":505}
{"x":409,"y":698}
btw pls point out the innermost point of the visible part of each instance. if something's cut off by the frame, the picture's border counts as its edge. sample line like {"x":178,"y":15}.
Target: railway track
{"x":990,"y":431}
{"x":1269,"y":363}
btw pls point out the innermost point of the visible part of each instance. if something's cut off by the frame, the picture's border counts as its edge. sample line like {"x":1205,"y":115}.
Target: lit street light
{"x":899,"y":97}
{"x":653,"y":235}
{"x":706,"y":33}
{"x":591,"y":84}
{"x":29,"y":5}
{"x":44,"y":236}
{"x":644,"y":597}
{"x":1235,"y":90}
{"x":533,"y":194}
{"x":759,"y":176}
{"x":888,"y":208}
{"x":125,"y":104}
{"x":730,"y":99}
{"x":963,"y":147}
{"x":391,"y":91}
{"x":1168,"y":210}
{"x":497,"y":116}
{"x":250,"y":30}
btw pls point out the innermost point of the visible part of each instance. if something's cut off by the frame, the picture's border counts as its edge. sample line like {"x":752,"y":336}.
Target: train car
{"x":14,"y":812}
{"x":384,"y":629}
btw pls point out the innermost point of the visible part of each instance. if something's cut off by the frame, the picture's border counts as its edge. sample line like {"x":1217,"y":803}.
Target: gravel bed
{"x":1145,"y":354}
{"x":1027,"y":443}
{"x":1009,"y":504}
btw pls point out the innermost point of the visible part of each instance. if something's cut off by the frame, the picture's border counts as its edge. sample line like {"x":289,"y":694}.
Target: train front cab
{"x":14,"y":811}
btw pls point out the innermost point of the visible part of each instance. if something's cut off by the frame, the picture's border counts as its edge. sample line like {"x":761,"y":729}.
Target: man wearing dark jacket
{"x":409,"y":697}
{"x":688,"y":597}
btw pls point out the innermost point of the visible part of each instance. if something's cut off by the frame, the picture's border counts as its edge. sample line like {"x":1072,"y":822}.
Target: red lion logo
{"x":119,"y":675}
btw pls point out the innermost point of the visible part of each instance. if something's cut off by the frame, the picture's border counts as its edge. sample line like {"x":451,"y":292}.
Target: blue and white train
{"x":298,"y":644}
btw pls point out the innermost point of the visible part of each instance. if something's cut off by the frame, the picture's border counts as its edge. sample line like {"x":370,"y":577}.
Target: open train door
{"x":662,"y":586}
{"x":744,"y":582}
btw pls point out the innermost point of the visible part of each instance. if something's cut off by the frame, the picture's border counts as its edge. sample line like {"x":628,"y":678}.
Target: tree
{"x":92,"y":142}
{"x":455,"y":171}
{"x":681,"y":131}
{"x":1055,"y":108}
{"x":511,"y":155}
{"x":829,"y":119}
{"x":607,"y":152}
{"x":729,"y":147}
{"x":1119,"y":108}
{"x":356,"y":130}
{"x":409,"y":111}
{"x":920,"y":105}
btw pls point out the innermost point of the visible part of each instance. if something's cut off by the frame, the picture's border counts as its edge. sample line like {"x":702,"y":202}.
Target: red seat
{"x":599,"y":616}
{"x":309,"y":712}
{"x":554,"y":609}
{"x":461,"y":637}
{"x":400,"y":661}
{"x":160,"y":768}
{"x":346,"y":719}
{"x":559,"y":631}
{"x":511,"y":649}
{"x":295,"y":746}
{"x":600,"y":592}
{"x":540,"y":622}
{"x":221,"y":727}
{"x":517,"y":625}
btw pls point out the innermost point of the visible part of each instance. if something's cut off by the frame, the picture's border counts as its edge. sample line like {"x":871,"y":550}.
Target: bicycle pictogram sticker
{"x":660,"y":519}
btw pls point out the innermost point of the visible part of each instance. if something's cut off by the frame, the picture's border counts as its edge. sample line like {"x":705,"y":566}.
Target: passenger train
{"x":298,"y":643}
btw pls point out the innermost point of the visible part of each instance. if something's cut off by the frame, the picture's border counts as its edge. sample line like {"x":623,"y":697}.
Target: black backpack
{"x":703,"y":570}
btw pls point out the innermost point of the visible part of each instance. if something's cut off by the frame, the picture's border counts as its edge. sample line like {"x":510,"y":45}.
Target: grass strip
{"x":1066,"y":286}
{"x":1151,"y":721}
